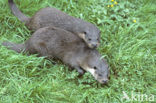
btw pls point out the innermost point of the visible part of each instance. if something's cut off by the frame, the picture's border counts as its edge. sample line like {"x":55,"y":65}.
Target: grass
{"x":128,"y":42}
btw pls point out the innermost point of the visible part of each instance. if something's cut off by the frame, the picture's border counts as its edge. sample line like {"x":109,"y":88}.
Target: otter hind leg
{"x":42,"y":49}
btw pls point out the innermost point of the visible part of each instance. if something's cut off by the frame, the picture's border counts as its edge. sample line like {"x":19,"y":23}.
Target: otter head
{"x":97,"y":67}
{"x":90,"y":34}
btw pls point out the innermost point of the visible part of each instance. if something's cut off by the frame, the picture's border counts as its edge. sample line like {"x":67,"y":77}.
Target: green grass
{"x":129,"y":47}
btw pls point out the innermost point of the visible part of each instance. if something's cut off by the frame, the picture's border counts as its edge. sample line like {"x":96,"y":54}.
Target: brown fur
{"x":58,"y":43}
{"x":54,"y":17}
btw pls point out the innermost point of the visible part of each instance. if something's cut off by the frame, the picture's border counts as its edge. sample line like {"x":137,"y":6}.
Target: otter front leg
{"x":79,"y":70}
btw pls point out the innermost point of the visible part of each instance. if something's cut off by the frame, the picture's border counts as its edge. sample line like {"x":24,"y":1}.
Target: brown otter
{"x":54,"y":17}
{"x":58,"y":43}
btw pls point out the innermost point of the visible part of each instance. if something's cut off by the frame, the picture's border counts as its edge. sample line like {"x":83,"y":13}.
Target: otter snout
{"x":93,"y":45}
{"x":100,"y":77}
{"x":103,"y":81}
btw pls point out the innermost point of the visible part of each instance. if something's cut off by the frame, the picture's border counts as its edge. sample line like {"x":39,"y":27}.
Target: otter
{"x":53,"y":42}
{"x":53,"y":17}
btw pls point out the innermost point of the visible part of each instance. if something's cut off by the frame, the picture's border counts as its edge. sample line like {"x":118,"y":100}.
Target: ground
{"x":128,"y":42}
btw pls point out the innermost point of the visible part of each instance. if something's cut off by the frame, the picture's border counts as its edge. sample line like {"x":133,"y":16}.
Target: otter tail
{"x":16,"y":47}
{"x":17,"y":12}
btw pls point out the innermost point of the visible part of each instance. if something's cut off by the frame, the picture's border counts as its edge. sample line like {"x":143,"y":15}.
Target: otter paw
{"x":80,"y":71}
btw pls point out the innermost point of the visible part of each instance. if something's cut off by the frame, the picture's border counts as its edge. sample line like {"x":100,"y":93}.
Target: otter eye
{"x":95,"y":67}
{"x":85,"y":33}
{"x":89,"y":39}
{"x":100,"y":75}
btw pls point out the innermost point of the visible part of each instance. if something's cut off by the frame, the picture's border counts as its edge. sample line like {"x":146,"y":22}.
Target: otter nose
{"x":94,"y":45}
{"x":104,"y":81}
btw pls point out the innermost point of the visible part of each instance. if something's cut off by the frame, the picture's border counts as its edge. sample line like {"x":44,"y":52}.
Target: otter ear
{"x":99,"y":32}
